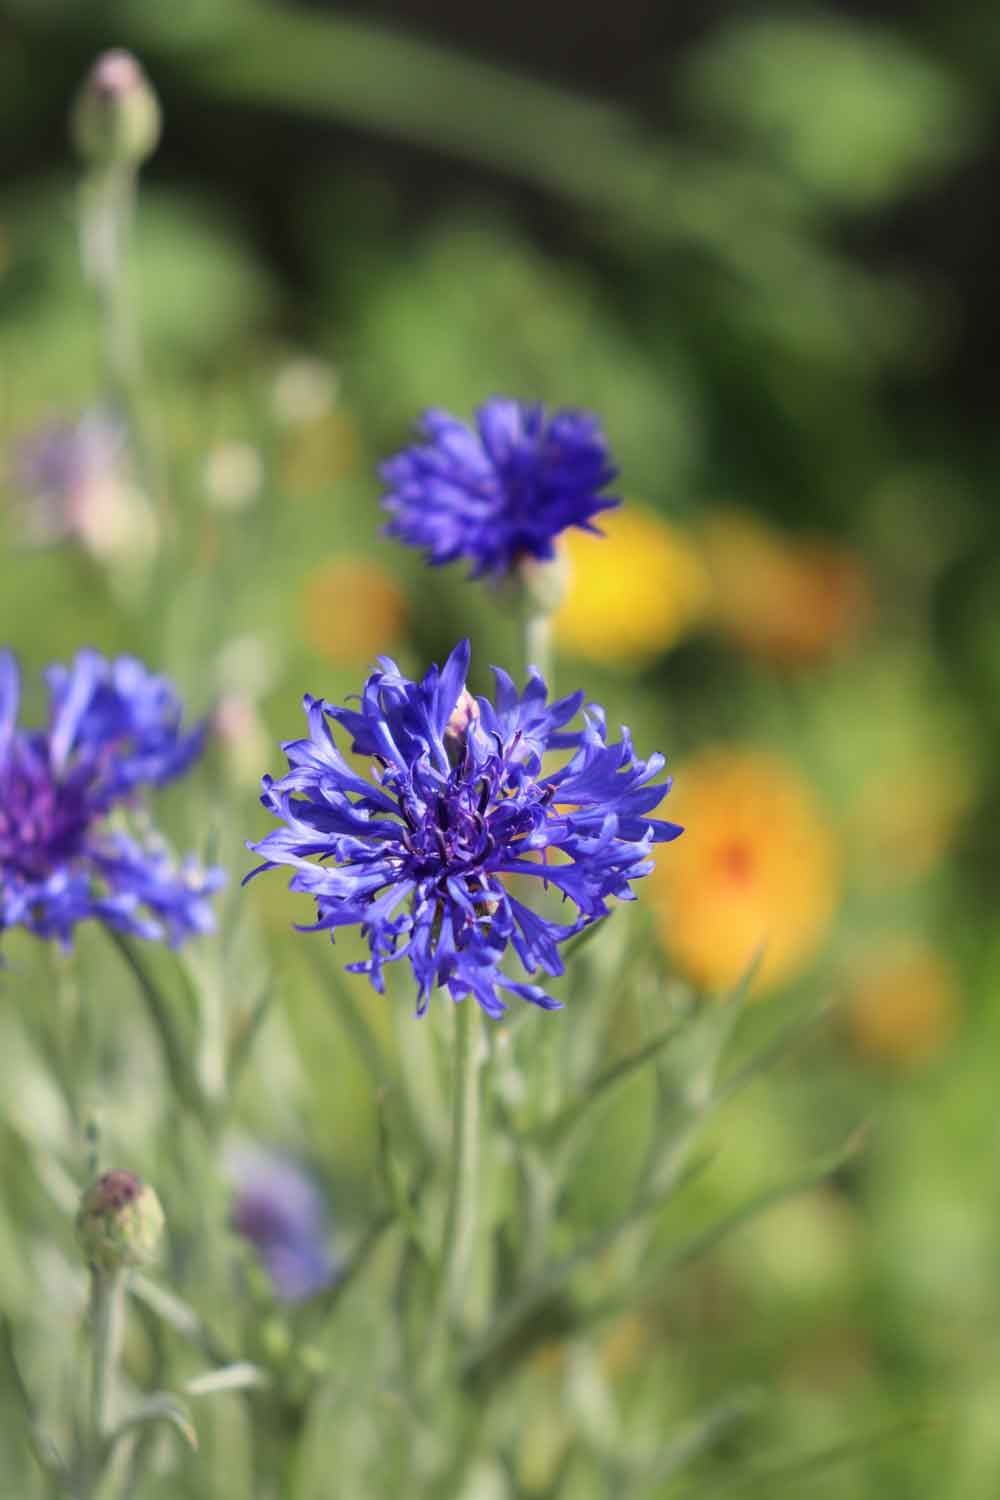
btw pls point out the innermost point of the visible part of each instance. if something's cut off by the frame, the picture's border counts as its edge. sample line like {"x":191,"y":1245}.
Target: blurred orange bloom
{"x":788,"y":601}
{"x":351,"y":610}
{"x":633,"y":592}
{"x":903,"y":1003}
{"x":757,"y":864}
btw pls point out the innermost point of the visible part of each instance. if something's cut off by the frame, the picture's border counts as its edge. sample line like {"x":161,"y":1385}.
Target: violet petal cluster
{"x":73,"y":842}
{"x":281,"y":1211}
{"x":462,"y":798}
{"x":501,"y":492}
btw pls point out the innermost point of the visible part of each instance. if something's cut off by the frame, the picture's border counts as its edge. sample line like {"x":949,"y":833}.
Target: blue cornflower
{"x":66,"y":850}
{"x":419,"y":856}
{"x":281,"y":1211}
{"x":501,"y":493}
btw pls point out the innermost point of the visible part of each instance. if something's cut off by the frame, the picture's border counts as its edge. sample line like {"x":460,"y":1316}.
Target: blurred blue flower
{"x":282,"y":1213}
{"x":501,"y":493}
{"x":113,"y":728}
{"x":420,"y":854}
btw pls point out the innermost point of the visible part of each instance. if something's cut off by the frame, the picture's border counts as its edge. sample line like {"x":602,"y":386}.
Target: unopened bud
{"x":116,"y":116}
{"x":120,"y":1222}
{"x":465,"y":712}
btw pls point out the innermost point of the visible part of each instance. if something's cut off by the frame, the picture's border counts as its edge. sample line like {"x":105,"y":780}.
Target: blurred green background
{"x":759,"y":242}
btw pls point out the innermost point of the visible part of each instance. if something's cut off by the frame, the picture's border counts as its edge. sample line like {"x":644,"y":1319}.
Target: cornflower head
{"x":280,"y":1210}
{"x":502,"y":492}
{"x":67,"y":852}
{"x":419,"y":857}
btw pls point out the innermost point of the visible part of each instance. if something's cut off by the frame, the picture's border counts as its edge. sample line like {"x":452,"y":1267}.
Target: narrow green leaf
{"x":651,"y":1277}
{"x":242,"y":1376}
{"x":44,"y":1449}
{"x":696,"y":1439}
{"x":161,"y":1407}
{"x":549,"y":1131}
{"x":775,"y":1477}
{"x":179,"y":1316}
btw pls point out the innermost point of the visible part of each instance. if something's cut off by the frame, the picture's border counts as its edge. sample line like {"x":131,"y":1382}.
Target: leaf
{"x":548,"y":1131}
{"x":245,"y":1033}
{"x":690,"y":1444}
{"x":179,"y":1316}
{"x":650,"y":1278}
{"x":397,"y":1188}
{"x":42,"y":1446}
{"x":161,"y":1407}
{"x":242,"y":1376}
{"x":774,"y":1476}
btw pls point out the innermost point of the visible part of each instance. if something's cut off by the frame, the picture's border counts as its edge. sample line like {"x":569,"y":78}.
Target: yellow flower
{"x":788,"y":601}
{"x":317,"y":453}
{"x":351,"y":610}
{"x":903,"y":1003}
{"x":633,"y":592}
{"x":756,"y":865}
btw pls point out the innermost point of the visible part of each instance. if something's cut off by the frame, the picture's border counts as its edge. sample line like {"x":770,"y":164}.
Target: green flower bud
{"x":120,"y":1222}
{"x":116,"y":116}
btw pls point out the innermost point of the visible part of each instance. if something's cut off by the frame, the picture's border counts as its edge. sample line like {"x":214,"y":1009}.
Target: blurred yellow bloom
{"x":789,"y":601}
{"x":351,"y":610}
{"x":633,"y":592}
{"x":907,"y":815}
{"x":757,"y":864}
{"x":318,"y":452}
{"x":903,"y":1003}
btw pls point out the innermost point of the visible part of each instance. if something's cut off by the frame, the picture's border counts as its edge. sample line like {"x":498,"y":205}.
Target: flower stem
{"x":538,"y":644}
{"x":178,"y":1066}
{"x":461,"y":1215}
{"x":107,"y":1322}
{"x":107,"y":213}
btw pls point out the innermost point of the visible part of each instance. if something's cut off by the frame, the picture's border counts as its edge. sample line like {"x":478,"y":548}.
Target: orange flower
{"x":903,"y":1005}
{"x":757,"y":864}
{"x":790,"y":602}
{"x":633,"y":592}
{"x":351,"y":610}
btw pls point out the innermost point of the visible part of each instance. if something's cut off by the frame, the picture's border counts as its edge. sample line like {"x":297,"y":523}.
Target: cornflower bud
{"x":120,"y":1222}
{"x":465,"y":713}
{"x":116,"y":117}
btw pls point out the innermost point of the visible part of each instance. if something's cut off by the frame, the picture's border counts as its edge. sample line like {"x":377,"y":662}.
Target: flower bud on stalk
{"x":120,"y":1222}
{"x":116,"y":116}
{"x":463,"y":715}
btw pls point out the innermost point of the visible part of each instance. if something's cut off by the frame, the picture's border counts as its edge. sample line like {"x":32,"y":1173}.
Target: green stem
{"x":107,"y":212}
{"x":182,"y":1076}
{"x":458,"y":1242}
{"x":538,"y":644}
{"x":107,"y":1323}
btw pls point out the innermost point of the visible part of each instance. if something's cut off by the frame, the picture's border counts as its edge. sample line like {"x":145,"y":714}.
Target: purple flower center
{"x":43,"y":822}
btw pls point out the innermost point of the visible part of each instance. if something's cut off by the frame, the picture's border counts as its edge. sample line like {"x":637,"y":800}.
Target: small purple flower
{"x":281,"y":1211}
{"x":66,"y":471}
{"x":420,"y":856}
{"x":67,"y":852}
{"x":501,"y":493}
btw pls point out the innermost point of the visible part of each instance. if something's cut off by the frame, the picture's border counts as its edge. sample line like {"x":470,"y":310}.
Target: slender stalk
{"x":458,"y":1241}
{"x":107,"y":1323}
{"x":107,"y":212}
{"x":178,"y":1066}
{"x":538,"y":643}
